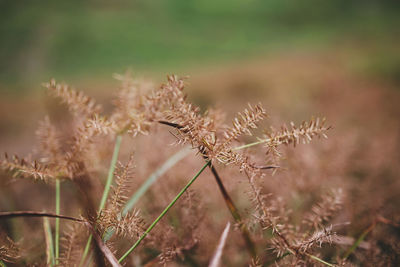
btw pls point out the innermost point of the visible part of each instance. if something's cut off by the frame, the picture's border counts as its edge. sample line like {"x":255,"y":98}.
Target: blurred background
{"x":84,"y":42}
{"x":334,"y":58}
{"x":237,"y":48}
{"x":89,"y":40}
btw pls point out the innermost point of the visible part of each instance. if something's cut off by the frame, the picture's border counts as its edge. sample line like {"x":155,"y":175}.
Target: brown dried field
{"x":291,"y":196}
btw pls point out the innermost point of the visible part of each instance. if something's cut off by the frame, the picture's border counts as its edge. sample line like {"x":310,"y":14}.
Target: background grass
{"x":75,"y":39}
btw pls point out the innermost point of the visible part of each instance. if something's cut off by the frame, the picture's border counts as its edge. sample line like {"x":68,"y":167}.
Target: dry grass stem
{"x":119,"y":201}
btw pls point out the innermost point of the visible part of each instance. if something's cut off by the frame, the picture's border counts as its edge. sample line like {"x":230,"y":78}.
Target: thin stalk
{"x":216,"y":259}
{"x":164,"y":212}
{"x":106,"y":191}
{"x":57,"y":230}
{"x":86,"y":251}
{"x":13,"y":214}
{"x":235,"y":213}
{"x":153,"y":177}
{"x":320,"y":260}
{"x":261,"y":141}
{"x":251,"y":144}
{"x":311,"y":257}
{"x":49,"y":242}
{"x":231,"y":206}
{"x":146,"y":185}
{"x":359,"y":240}
{"x":111,"y":172}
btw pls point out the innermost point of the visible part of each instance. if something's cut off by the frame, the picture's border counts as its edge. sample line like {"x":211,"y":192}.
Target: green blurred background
{"x":74,"y":40}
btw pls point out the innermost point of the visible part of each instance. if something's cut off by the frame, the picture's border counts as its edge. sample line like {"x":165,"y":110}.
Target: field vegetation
{"x":280,"y":148}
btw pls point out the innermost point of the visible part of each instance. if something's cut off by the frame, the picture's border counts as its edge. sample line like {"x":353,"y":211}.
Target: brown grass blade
{"x":216,"y":259}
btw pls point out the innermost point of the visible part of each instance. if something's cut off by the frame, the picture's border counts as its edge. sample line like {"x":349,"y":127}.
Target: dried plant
{"x":112,"y":217}
{"x":293,"y":135}
{"x":179,"y":243}
{"x":272,"y":214}
{"x":49,"y":142}
{"x":245,"y":121}
{"x":71,"y":244}
{"x":9,"y":250}
{"x":325,"y":209}
{"x":318,"y":238}
{"x":278,"y":229}
{"x":77,"y":102}
{"x":26,"y":168}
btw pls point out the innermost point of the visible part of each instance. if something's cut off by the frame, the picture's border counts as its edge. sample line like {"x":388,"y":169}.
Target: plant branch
{"x":12,"y":214}
{"x":153,"y":177}
{"x":146,"y":185}
{"x":235,"y":212}
{"x":164,"y":212}
{"x":228,"y":200}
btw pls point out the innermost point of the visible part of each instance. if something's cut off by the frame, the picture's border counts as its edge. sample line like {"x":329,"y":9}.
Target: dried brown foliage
{"x":77,"y":102}
{"x":9,"y":250}
{"x":180,"y":243}
{"x":112,"y":217}
{"x":292,"y":219}
{"x":21,"y":167}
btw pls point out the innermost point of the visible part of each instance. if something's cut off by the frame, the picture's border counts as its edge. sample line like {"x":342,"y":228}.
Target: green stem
{"x":261,"y":141}
{"x":251,"y":144}
{"x":86,"y":251}
{"x":146,"y":185}
{"x":164,"y":212}
{"x":358,"y":241}
{"x":107,"y":188}
{"x":110,"y":172}
{"x":153,"y":177}
{"x":311,"y":257}
{"x":320,"y":260}
{"x":49,"y":241}
{"x":57,"y":234}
